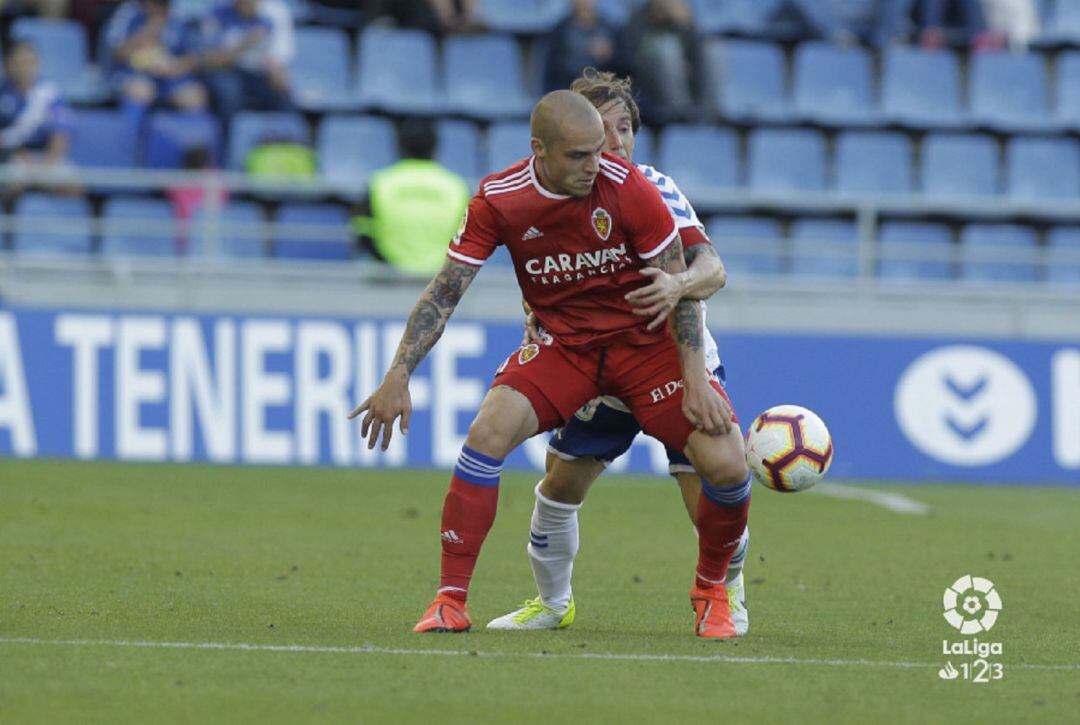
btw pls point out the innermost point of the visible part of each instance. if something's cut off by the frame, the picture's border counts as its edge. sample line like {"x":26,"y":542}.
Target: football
{"x":788,"y":448}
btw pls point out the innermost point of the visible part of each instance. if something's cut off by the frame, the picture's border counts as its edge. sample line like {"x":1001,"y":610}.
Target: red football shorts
{"x":558,"y":380}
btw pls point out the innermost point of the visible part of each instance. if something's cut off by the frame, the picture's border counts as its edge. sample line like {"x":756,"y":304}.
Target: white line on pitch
{"x":895,"y":502}
{"x":372,"y":650}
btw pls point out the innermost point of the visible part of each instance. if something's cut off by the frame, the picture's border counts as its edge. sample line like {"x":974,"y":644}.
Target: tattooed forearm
{"x":698,"y":250}
{"x":671,"y":259}
{"x":686,"y":327}
{"x":430,"y":314}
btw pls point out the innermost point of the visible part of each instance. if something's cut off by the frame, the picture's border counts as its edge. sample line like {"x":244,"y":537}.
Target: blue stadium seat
{"x":958,"y":165}
{"x":786,"y":160}
{"x":334,"y":242}
{"x":320,"y":69}
{"x":1008,"y":91}
{"x":351,"y":148}
{"x":746,"y":17}
{"x":616,"y":12}
{"x":102,"y":139}
{"x":873,"y":162}
{"x":982,"y":248}
{"x":169,"y":135}
{"x":833,"y":85}
{"x":507,"y":143}
{"x":1067,"y":108}
{"x":1042,"y":168}
{"x":896,"y":237}
{"x":523,"y":16}
{"x":396,"y":71}
{"x":137,"y":227}
{"x":250,"y":128}
{"x":46,"y":224}
{"x":459,"y":148}
{"x":62,"y":48}
{"x":191,"y":9}
{"x":239,"y":229}
{"x":1063,"y":251}
{"x":483,"y":76}
{"x":824,"y":248}
{"x":1061,"y":24}
{"x":644,"y":146}
{"x":748,"y":245}
{"x":921,"y":88}
{"x":703,"y":160}
{"x":748,"y":79}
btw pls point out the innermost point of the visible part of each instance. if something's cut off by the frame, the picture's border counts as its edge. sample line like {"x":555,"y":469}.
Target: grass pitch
{"x":103,"y":563}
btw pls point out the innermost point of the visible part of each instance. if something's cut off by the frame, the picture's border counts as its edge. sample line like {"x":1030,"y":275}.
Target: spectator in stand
{"x":873,"y":22}
{"x":1015,"y":20}
{"x":662,"y":51}
{"x":954,"y":22}
{"x":416,"y":204}
{"x":434,"y":16}
{"x":152,"y":59}
{"x":244,"y":69}
{"x":580,"y":41}
{"x":35,"y":123}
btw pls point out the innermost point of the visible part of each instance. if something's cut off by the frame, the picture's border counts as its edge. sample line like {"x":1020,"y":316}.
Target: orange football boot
{"x":445,"y":614}
{"x":712,"y":612}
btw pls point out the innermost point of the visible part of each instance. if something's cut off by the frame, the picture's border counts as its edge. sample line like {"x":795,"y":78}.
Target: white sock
{"x":553,"y":544}
{"x":739,"y":557}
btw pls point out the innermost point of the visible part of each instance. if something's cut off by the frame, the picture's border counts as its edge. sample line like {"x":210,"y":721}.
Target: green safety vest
{"x":416,"y":207}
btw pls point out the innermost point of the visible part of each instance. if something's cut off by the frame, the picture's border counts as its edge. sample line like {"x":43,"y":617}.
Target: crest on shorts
{"x":461,"y":227}
{"x":528,"y":352}
{"x":601,"y":222}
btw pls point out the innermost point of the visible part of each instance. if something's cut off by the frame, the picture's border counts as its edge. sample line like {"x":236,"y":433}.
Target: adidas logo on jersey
{"x":532,"y":233}
{"x":451,"y":537}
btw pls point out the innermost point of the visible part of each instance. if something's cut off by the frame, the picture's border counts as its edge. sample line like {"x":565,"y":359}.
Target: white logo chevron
{"x":532,"y":233}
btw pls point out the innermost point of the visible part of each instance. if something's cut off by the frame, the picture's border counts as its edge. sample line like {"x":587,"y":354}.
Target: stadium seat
{"x":239,"y":231}
{"x":1063,"y":254}
{"x":46,"y":224}
{"x":921,"y":88}
{"x":169,"y":135}
{"x":915,"y":238}
{"x":703,"y":160}
{"x":137,"y":227}
{"x":786,"y":160}
{"x":824,"y":248}
{"x":616,"y":12}
{"x":833,"y":85}
{"x":1042,"y":168}
{"x":396,"y":71}
{"x":62,"y":48}
{"x":459,"y":148}
{"x":959,"y":165}
{"x":1067,"y":106}
{"x":320,"y":69}
{"x":507,"y":143}
{"x":483,"y":76}
{"x":351,"y":148}
{"x":748,"y":245}
{"x":102,"y":139}
{"x":191,"y":9}
{"x":644,"y":146}
{"x":745,"y":17}
{"x":747,"y":79}
{"x":330,"y":242}
{"x":250,"y":128}
{"x":523,"y":16}
{"x":995,"y":252}
{"x":1008,"y":91}
{"x":1062,"y":24}
{"x":873,"y":163}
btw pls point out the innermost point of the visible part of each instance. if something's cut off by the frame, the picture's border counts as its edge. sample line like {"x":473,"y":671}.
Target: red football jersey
{"x":575,"y":258}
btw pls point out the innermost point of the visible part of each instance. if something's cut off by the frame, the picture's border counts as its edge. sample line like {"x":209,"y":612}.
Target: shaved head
{"x":561,"y":114}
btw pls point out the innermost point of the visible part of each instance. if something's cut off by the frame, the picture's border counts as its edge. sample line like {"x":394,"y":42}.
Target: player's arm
{"x":703,"y":276}
{"x":424,"y":328}
{"x":702,"y":405}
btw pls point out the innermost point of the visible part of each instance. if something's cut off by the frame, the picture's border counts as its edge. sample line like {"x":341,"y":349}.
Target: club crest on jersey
{"x":461,"y":227}
{"x":528,"y":352}
{"x":601,"y":222}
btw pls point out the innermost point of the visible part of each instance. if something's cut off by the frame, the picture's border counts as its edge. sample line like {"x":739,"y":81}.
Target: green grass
{"x":107,"y":552}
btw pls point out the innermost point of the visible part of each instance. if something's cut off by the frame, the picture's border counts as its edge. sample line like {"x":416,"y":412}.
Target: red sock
{"x":719,"y":528}
{"x":468,"y":512}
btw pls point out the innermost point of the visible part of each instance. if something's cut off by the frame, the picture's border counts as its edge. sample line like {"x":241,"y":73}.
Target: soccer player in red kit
{"x":579,"y":226}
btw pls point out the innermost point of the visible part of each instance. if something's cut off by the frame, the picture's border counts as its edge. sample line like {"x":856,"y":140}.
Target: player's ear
{"x":538,"y":147}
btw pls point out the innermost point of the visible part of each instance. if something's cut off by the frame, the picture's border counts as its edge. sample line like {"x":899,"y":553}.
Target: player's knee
{"x":486,"y":436}
{"x":562,"y":489}
{"x":725,"y":472}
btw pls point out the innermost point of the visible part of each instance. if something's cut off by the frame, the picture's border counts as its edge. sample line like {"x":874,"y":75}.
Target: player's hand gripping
{"x":532,"y":326}
{"x":705,"y":408}
{"x":382,"y":407}
{"x":658,"y":298}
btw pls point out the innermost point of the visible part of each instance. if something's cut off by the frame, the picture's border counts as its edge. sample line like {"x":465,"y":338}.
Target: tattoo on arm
{"x":671,"y":259}
{"x":686,"y":326}
{"x":692,"y":253}
{"x":431,"y":312}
